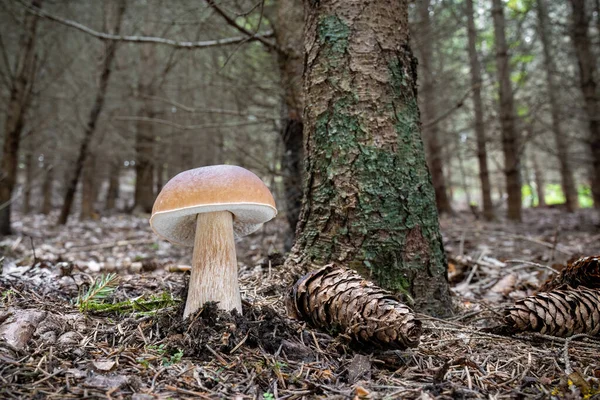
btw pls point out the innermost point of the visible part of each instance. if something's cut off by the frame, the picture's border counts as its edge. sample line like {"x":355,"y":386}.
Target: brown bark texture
{"x":475,"y":69}
{"x":340,"y":300}
{"x":288,"y":36}
{"x":28,"y":184}
{"x":88,"y":188}
{"x":582,"y":272}
{"x":47,"y":190}
{"x":369,"y":202}
{"x":90,"y":128}
{"x":540,"y":182}
{"x":562,"y":146}
{"x":112,"y":194}
{"x":15,"y":114}
{"x":510,"y":138}
{"x":144,"y":148}
{"x":431,"y":132}
{"x":558,"y":312}
{"x":588,"y":75}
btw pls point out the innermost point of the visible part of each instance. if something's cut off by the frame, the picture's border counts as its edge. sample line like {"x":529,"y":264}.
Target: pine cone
{"x":583,"y":272}
{"x":336,"y":298}
{"x":559,"y":313}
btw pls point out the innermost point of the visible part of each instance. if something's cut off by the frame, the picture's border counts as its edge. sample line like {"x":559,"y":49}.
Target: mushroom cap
{"x":210,"y":189}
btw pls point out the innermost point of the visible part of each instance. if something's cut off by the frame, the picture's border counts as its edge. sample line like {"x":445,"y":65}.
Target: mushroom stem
{"x":214,"y":264}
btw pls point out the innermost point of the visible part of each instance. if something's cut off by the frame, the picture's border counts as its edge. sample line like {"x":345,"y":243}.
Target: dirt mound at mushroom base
{"x":210,"y":331}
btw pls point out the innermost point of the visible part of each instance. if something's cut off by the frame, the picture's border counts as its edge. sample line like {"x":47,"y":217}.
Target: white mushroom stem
{"x":214,"y":264}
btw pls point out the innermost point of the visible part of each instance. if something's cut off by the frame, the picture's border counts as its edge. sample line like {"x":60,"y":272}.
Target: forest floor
{"x":61,"y":345}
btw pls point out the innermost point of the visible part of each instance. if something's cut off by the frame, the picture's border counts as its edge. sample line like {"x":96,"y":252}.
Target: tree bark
{"x":589,"y":87}
{"x":29,"y":167}
{"x":540,"y":182}
{"x":47,"y":188}
{"x":288,"y":36}
{"x":144,"y":148}
{"x":510,"y":140}
{"x":110,"y":49}
{"x":13,"y":124}
{"x":145,"y":135}
{"x":112,"y":194}
{"x":369,"y":202}
{"x":88,"y":188}
{"x":562,"y":146}
{"x":431,"y":132}
{"x":484,"y":174}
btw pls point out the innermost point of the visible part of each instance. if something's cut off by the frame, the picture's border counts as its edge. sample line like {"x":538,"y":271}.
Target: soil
{"x":52,"y":347}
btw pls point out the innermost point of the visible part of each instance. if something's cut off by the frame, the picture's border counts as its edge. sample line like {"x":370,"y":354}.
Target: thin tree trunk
{"x":13,"y":124}
{"x":510,"y":139}
{"x":484,"y":174}
{"x":88,"y":188}
{"x":110,"y":49}
{"x":539,"y":180}
{"x":47,"y":188}
{"x":160,"y":173}
{"x":566,"y":173}
{"x":288,"y":35}
{"x":112,"y":194}
{"x":589,"y":88}
{"x":369,"y":202}
{"x":463,"y":173}
{"x":144,"y":148}
{"x":431,"y":132}
{"x":29,"y":172}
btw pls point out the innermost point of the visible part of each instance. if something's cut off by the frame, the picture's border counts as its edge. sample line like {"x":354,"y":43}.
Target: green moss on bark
{"x":333,"y":32}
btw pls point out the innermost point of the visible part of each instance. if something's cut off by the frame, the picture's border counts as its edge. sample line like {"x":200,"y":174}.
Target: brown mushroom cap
{"x":209,"y":189}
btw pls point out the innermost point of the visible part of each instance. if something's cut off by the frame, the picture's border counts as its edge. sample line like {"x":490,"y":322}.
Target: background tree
{"x":113,"y":17}
{"x":588,"y":72}
{"x":431,"y":132}
{"x":510,"y":140}
{"x":20,"y":89}
{"x":562,"y":145}
{"x":369,"y":202}
{"x":484,"y":176}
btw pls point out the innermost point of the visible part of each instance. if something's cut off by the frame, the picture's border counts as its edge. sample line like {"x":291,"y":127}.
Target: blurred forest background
{"x":509,"y":100}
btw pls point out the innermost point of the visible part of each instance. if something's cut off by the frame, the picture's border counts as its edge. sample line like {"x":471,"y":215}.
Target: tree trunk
{"x":13,"y":124}
{"x":88,"y":188}
{"x":144,"y":148}
{"x":29,"y":172}
{"x":160,"y":173}
{"x":539,"y":180}
{"x":110,"y":48}
{"x":288,"y":36}
{"x":369,"y":202}
{"x":587,"y":71}
{"x":510,"y":140}
{"x":484,"y":174}
{"x":431,"y":132}
{"x":463,"y":172}
{"x":145,"y":136}
{"x":47,"y":189}
{"x":566,"y":173}
{"x":112,"y":194}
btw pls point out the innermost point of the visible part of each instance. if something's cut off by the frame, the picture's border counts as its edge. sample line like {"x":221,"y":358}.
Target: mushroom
{"x":207,"y":208}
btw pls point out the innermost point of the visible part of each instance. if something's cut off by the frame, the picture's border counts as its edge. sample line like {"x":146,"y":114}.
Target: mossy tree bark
{"x":369,"y":202}
{"x":510,"y":139}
